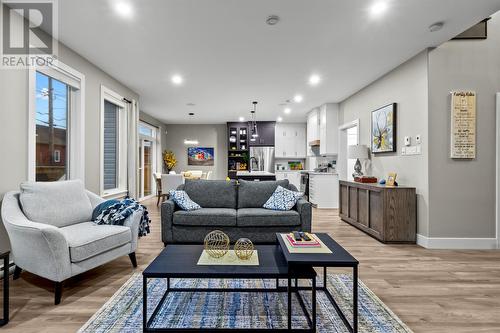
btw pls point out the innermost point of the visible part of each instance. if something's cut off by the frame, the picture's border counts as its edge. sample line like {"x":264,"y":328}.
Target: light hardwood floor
{"x":430,"y":290}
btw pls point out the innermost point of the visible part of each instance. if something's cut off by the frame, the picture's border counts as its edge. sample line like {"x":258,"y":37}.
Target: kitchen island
{"x":255,"y":175}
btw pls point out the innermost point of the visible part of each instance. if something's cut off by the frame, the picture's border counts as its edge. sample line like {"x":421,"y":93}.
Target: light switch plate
{"x":407,"y":140}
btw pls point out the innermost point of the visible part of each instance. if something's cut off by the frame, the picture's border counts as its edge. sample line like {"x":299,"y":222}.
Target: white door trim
{"x":342,"y":157}
{"x":350,"y":124}
{"x":497,"y":190}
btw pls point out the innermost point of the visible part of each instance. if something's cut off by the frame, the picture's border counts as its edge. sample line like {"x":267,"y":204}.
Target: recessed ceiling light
{"x":123,"y":9}
{"x":279,"y":119}
{"x":314,"y":79}
{"x":436,"y":26}
{"x":241,"y":118}
{"x":272,"y":19}
{"x":287,"y":110}
{"x":191,"y":114}
{"x":379,"y":8}
{"x":298,"y":98}
{"x":177,"y":79}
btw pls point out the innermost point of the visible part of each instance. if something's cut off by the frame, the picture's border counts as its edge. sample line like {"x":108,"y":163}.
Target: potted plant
{"x":169,"y":160}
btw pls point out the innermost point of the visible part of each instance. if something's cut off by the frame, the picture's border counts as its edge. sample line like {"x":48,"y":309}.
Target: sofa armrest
{"x":167,"y":215}
{"x":36,"y":247}
{"x":304,"y":208}
{"x":133,"y":222}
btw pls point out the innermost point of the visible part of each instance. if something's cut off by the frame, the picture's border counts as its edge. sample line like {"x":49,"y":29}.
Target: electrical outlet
{"x":407,"y":140}
{"x":418,"y":139}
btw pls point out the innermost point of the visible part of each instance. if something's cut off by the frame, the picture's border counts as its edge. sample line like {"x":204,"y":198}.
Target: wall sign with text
{"x":463,"y":124}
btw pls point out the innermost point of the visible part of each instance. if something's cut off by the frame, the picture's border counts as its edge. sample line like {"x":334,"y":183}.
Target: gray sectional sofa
{"x":233,"y":208}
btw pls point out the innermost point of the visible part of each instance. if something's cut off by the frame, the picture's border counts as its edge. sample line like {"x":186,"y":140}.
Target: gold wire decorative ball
{"x":243,"y":248}
{"x":216,"y":244}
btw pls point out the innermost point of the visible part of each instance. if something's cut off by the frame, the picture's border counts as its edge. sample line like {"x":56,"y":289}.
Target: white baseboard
{"x":457,"y":243}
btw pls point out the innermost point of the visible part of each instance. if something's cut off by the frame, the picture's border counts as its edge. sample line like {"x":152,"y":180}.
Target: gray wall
{"x":213,"y":135}
{"x":463,"y":192}
{"x":407,"y":86}
{"x":14,"y":122}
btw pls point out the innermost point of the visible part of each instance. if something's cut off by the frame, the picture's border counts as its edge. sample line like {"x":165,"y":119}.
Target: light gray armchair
{"x":52,"y":234}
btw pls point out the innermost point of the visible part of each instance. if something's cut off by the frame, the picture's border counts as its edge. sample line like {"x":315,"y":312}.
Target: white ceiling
{"x":229,"y":57}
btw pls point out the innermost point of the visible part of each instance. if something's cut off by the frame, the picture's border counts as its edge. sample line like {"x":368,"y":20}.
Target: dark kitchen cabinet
{"x":265,"y":129}
{"x":238,"y":137}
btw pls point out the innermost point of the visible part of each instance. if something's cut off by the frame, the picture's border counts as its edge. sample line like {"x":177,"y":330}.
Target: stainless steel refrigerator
{"x":262,"y":159}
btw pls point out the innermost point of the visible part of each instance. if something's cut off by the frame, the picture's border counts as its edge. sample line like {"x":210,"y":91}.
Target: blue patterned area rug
{"x":123,"y":312}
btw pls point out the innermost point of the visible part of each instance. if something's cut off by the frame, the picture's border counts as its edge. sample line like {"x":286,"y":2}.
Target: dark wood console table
{"x":387,"y":213}
{"x":5,"y":319}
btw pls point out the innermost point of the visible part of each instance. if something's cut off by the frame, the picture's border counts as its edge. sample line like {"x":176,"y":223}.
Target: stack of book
{"x":313,"y":242}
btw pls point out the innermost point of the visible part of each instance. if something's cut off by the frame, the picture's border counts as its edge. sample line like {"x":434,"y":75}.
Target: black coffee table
{"x":338,"y":258}
{"x":180,"y":261}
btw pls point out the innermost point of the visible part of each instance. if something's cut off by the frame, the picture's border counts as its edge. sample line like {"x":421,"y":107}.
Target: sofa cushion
{"x":261,"y":217}
{"x":253,"y":194}
{"x":88,"y":239}
{"x":59,"y":204}
{"x":212,"y":217}
{"x":212,"y":193}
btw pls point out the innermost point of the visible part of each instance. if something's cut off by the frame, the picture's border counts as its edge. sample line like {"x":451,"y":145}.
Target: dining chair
{"x":170,"y":182}
{"x":157,"y":179}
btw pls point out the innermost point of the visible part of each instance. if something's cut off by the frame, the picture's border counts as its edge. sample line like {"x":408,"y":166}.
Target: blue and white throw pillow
{"x":282,"y":199}
{"x":182,"y":199}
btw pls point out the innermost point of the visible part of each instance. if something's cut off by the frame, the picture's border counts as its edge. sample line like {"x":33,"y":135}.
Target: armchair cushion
{"x":56,"y":203}
{"x":88,"y":239}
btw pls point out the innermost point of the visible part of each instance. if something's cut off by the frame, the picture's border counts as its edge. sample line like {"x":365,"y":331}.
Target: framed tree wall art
{"x":383,"y":129}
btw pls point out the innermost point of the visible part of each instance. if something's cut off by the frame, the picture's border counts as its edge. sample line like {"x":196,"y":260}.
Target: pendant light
{"x":253,"y":123}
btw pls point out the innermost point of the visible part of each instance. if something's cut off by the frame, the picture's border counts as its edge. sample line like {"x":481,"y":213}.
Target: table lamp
{"x":358,"y":152}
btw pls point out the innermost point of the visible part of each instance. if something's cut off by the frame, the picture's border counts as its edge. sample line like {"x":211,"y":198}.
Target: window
{"x":57,"y":156}
{"x":52,"y":111}
{"x":56,"y":123}
{"x":110,"y":171}
{"x":114,"y":135}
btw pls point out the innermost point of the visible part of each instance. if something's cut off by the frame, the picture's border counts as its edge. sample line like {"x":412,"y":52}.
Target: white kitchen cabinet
{"x":292,"y":176}
{"x":290,"y":141}
{"x":329,"y":129}
{"x":313,"y":125}
{"x":324,"y":190}
{"x":312,"y":130}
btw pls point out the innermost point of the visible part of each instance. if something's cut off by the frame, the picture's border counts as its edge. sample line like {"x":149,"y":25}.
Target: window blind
{"x":110,"y":145}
